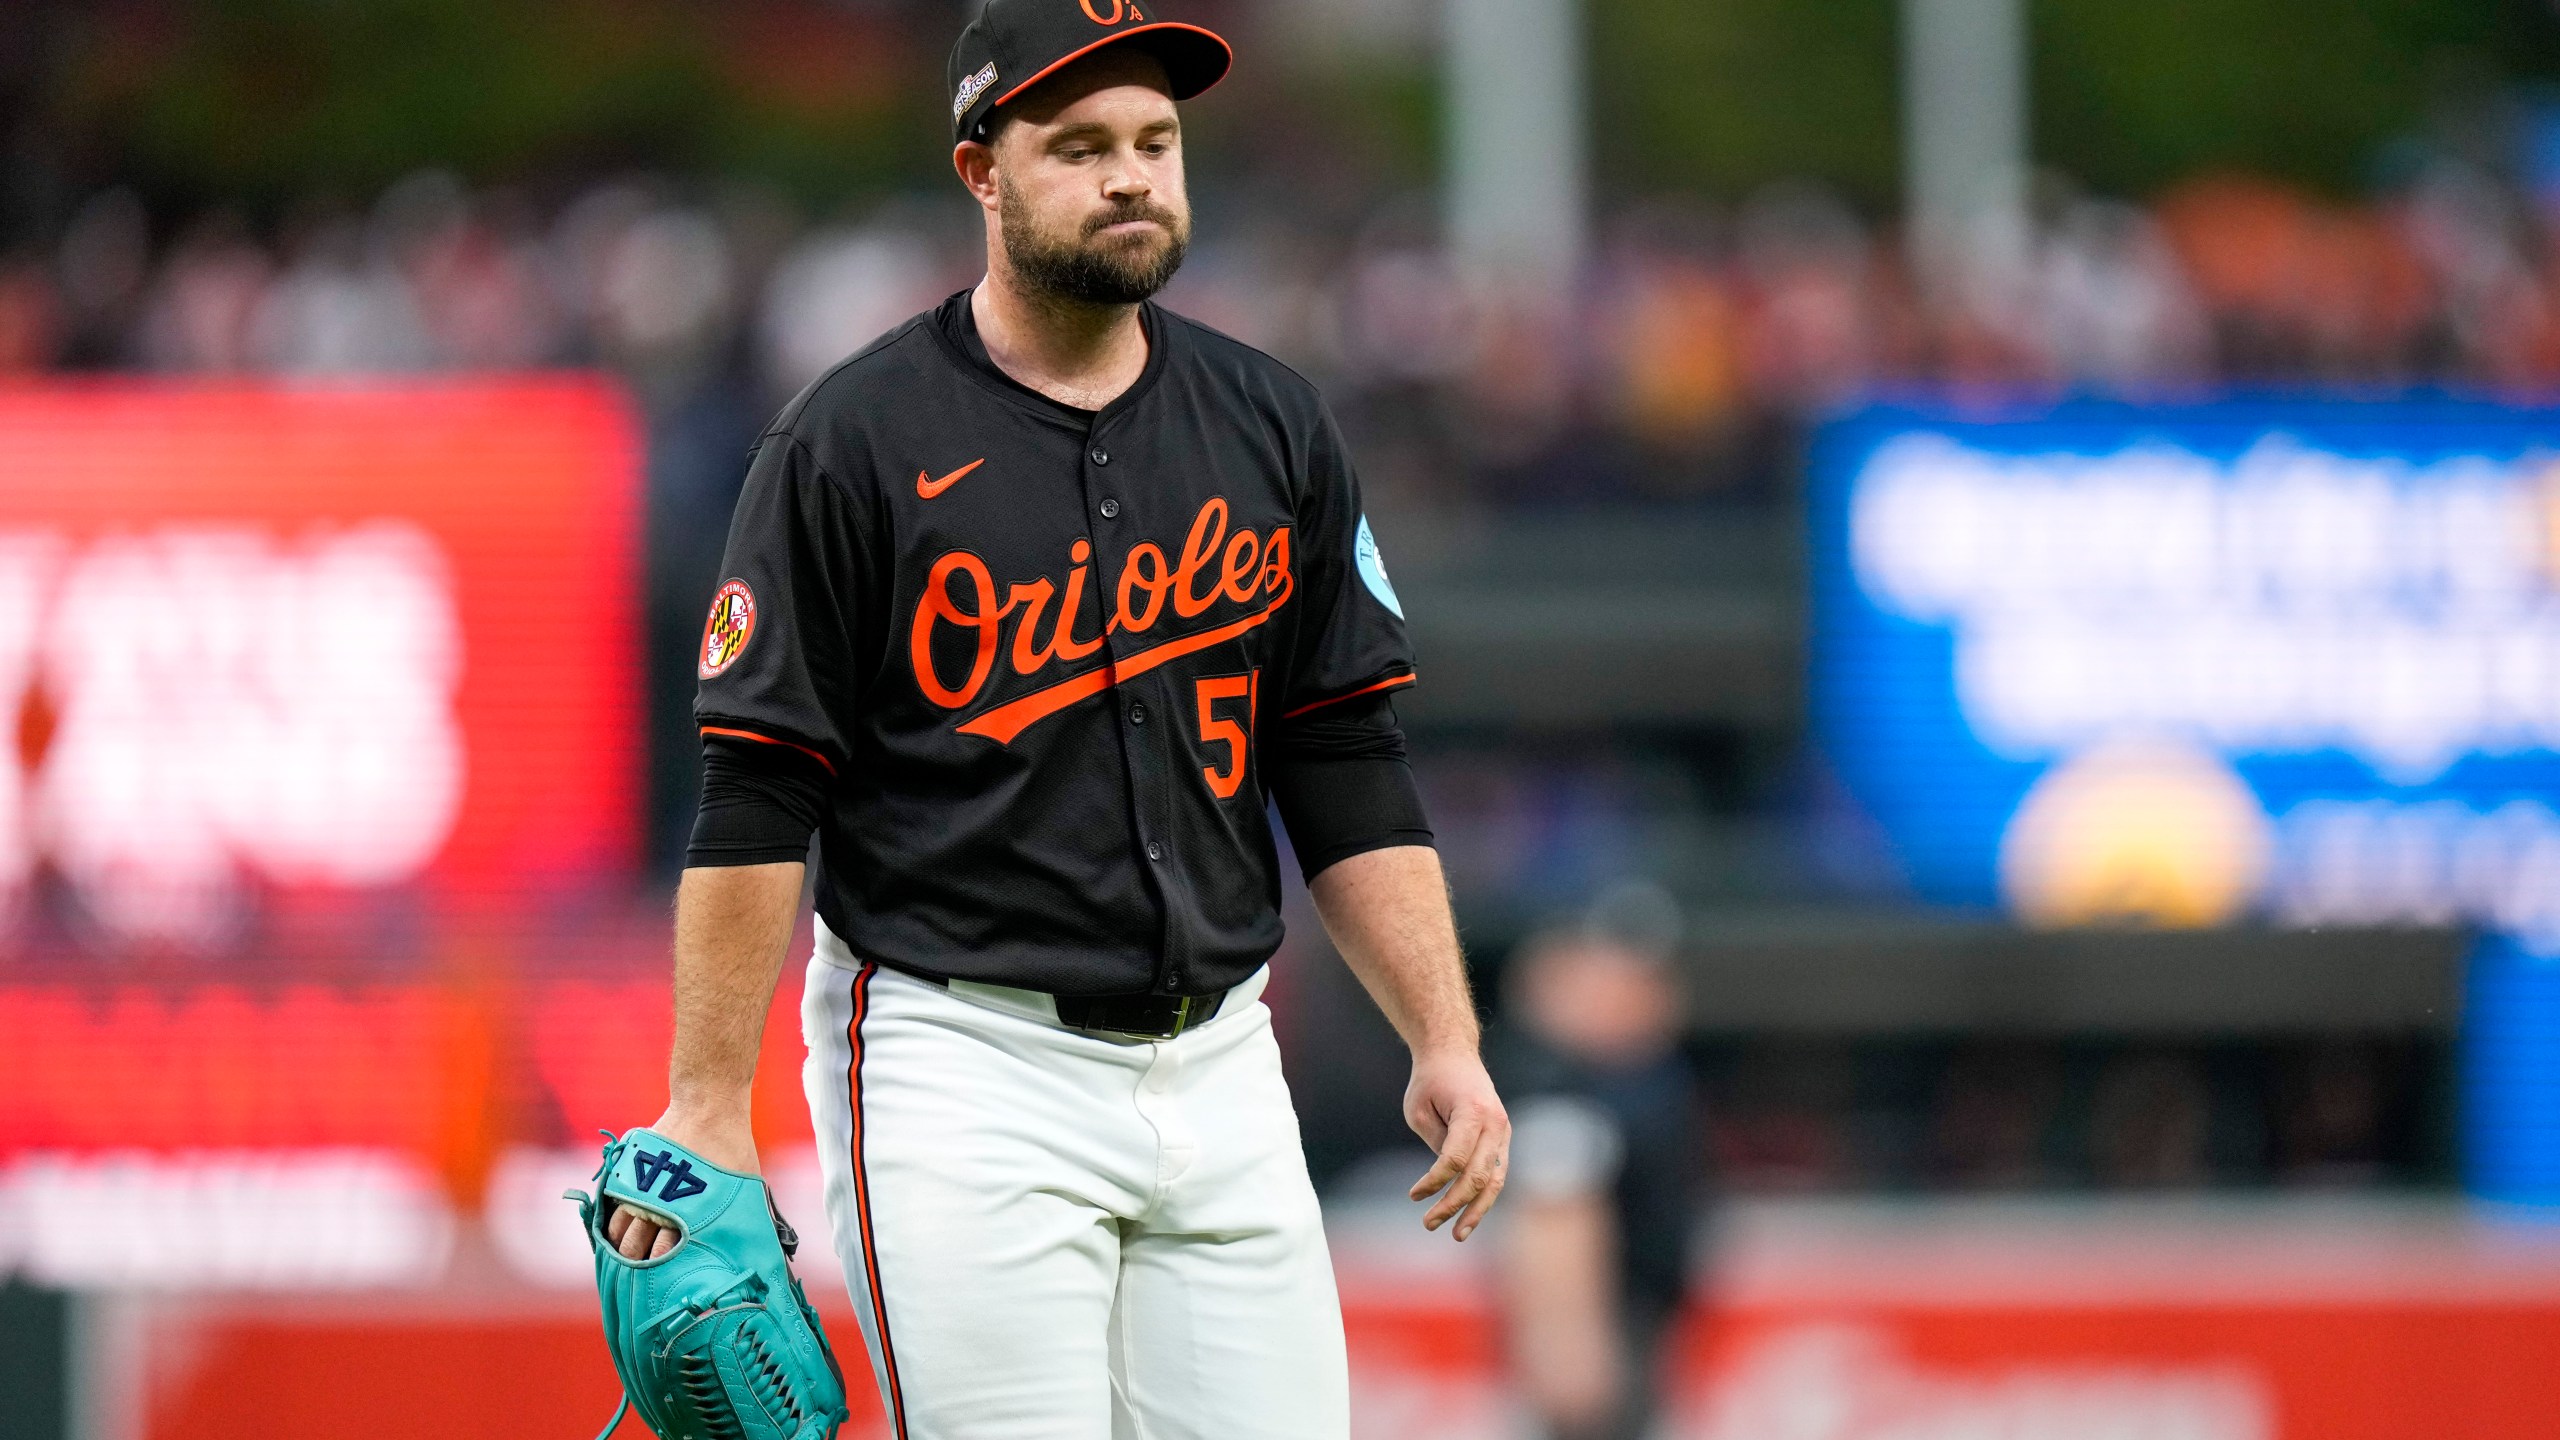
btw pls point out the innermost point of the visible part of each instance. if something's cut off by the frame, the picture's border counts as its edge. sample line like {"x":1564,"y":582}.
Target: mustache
{"x":1133,"y":210}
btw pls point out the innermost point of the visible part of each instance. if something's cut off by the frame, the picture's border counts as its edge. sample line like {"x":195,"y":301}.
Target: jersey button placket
{"x":1154,"y":812}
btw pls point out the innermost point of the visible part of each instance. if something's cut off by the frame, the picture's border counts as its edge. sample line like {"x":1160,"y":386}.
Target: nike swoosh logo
{"x":927,"y":489}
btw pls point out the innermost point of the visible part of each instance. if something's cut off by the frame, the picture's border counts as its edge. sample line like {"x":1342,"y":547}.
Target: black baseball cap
{"x":1015,"y":44}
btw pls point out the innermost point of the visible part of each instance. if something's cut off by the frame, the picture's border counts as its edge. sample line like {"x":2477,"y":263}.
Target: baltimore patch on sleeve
{"x":731,"y":625}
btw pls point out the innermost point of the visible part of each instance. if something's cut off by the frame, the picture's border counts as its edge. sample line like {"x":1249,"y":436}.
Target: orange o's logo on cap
{"x":1117,"y":11}
{"x":725,"y":634}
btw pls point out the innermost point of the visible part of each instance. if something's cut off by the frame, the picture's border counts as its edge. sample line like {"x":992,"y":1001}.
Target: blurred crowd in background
{"x":1993,"y":1115}
{"x":1702,"y":337}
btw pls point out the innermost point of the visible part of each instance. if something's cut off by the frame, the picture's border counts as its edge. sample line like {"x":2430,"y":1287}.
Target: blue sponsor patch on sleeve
{"x":1373,"y":570}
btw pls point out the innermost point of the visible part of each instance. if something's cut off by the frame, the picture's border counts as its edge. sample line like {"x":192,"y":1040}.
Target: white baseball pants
{"x":1050,"y":1235}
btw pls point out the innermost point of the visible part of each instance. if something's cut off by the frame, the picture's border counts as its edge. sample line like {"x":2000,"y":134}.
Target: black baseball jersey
{"x":1033,"y":648}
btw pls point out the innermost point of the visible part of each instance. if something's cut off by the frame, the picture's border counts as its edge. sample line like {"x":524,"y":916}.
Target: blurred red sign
{"x":424,"y":1069}
{"x":2276,"y":1372}
{"x":331,"y":637}
{"x":2341,"y":1370}
{"x":216,"y":1066}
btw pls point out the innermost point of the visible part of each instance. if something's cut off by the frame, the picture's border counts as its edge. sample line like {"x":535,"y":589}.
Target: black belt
{"x":1151,"y":1017}
{"x":1156,"y":1017}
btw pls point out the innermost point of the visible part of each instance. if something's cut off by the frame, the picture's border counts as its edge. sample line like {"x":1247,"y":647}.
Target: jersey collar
{"x":954,"y":313}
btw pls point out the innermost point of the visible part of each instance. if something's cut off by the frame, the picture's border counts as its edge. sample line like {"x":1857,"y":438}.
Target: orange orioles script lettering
{"x":1032,"y":628}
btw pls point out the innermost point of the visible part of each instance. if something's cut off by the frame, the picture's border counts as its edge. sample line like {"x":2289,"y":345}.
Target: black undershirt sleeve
{"x":760,"y":803}
{"x":1340,"y":779}
{"x":1342,"y":783}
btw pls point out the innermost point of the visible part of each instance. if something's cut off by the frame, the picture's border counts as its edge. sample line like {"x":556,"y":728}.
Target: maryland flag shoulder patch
{"x":726,"y":633}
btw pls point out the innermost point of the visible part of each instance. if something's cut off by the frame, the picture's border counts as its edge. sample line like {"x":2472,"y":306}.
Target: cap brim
{"x":1194,"y":59}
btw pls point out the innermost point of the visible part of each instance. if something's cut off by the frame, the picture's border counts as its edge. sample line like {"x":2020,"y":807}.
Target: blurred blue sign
{"x":2511,"y":1075}
{"x":2296,"y":661}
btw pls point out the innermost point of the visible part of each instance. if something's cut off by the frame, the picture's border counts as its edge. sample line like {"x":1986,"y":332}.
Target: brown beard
{"x":1081,"y":270}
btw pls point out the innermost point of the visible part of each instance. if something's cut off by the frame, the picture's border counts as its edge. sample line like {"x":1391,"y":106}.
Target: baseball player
{"x":1029,"y":610}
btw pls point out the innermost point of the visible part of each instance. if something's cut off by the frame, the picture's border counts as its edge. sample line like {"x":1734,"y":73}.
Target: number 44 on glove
{"x":714,"y":1339}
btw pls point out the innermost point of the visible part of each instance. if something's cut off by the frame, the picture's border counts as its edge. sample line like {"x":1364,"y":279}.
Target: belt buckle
{"x":1183,"y":1008}
{"x":1187,"y":1010}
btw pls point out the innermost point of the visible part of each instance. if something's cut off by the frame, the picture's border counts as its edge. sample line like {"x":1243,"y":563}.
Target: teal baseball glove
{"x":714,"y":1339}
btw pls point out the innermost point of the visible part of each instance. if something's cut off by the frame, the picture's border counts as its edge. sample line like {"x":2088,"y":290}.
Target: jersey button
{"x":1110,"y":509}
{"x":1101,"y":456}
{"x":1155,"y":849}
{"x":1137,"y":713}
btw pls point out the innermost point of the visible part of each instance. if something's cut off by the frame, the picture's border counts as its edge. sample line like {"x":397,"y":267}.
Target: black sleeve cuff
{"x":1342,"y":784}
{"x":760,"y":803}
{"x":1335,"y":809}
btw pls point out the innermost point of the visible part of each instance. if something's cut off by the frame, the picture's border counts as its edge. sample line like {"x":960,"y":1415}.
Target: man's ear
{"x":975,"y":163}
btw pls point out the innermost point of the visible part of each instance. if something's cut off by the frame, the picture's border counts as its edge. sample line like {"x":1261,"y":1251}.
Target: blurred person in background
{"x":1604,"y":1184}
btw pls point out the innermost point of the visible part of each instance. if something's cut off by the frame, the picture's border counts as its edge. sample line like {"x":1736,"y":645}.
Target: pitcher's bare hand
{"x":1451,"y":1104}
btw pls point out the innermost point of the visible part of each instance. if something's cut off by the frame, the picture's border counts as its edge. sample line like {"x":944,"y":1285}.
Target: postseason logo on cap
{"x":973,"y":87}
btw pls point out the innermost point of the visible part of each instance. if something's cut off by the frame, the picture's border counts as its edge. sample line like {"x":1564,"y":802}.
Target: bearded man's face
{"x":1098,"y":252}
{"x":1091,"y":201}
